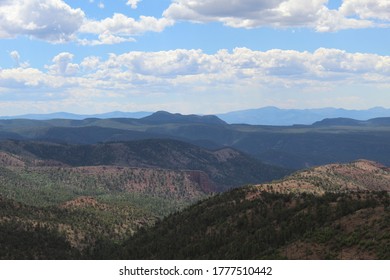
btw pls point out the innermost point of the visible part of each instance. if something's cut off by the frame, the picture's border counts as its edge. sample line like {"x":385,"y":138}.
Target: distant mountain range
{"x":276,"y":116}
{"x":261,"y":116}
{"x":70,"y":116}
{"x":292,"y":147}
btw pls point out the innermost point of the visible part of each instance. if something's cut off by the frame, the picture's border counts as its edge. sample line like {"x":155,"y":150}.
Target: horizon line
{"x":199,"y":114}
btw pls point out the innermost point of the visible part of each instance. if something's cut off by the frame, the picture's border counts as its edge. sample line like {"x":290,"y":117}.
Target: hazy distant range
{"x":261,"y":116}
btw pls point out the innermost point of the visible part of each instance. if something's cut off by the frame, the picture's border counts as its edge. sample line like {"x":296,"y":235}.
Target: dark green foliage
{"x":229,"y":226}
{"x":38,"y":242}
{"x":45,"y":186}
{"x":226,"y":226}
{"x":64,"y":233}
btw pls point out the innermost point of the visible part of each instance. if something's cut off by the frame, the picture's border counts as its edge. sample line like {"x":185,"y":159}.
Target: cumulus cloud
{"x":120,"y":28}
{"x":50,"y":20}
{"x":248,"y":13}
{"x":281,"y":13}
{"x":133,"y":3}
{"x":106,"y":38}
{"x":367,"y":9}
{"x":22,"y":78}
{"x":62,"y":65}
{"x":16,"y":58}
{"x":121,"y":24}
{"x":90,"y":63}
{"x":56,"y":22}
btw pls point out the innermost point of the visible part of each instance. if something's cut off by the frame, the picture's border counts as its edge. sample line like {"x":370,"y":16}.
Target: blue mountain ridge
{"x":260,"y":116}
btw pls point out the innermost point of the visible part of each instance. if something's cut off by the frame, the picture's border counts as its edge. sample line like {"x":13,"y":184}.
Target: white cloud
{"x":332,"y":20}
{"x":16,"y":57}
{"x":367,"y":9}
{"x":248,"y":13}
{"x":106,"y":38}
{"x":281,"y":13}
{"x":133,"y":3}
{"x":121,"y":24}
{"x":56,"y":22}
{"x":242,"y":66}
{"x":90,"y":63}
{"x":62,"y":65}
{"x":22,"y":78}
{"x":50,"y":20}
{"x":120,"y":28}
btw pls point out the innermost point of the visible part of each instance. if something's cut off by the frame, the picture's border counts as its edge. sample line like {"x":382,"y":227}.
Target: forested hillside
{"x":301,"y":217}
{"x":272,"y":226}
{"x":226,"y":167}
{"x":52,"y":210}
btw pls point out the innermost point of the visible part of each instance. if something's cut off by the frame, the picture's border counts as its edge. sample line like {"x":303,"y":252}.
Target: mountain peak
{"x":337,"y":122}
{"x":167,"y":117}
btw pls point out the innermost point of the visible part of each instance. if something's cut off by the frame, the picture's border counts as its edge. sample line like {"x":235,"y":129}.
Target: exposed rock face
{"x":203,"y":180}
{"x":10,"y":160}
{"x":82,"y":201}
{"x":225,"y":154}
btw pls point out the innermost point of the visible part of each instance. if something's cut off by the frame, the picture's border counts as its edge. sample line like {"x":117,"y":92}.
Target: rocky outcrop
{"x":203,"y":180}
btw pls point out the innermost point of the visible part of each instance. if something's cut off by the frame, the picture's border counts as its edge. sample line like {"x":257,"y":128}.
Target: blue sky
{"x":206,"y":56}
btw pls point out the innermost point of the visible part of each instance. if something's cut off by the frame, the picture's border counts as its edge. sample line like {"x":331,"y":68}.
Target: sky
{"x":186,"y":56}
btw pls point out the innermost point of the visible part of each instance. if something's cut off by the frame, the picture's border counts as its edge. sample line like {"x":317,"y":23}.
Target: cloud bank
{"x":238,"y":66}
{"x":191,"y":73}
{"x":282,"y":13}
{"x":56,"y":22}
